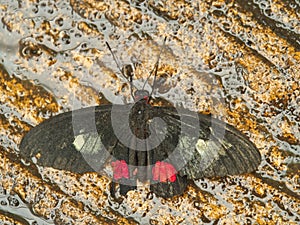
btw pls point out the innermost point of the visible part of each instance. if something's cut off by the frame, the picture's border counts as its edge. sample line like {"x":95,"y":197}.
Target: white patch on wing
{"x":209,"y":148}
{"x":79,"y":142}
{"x":201,"y":146}
{"x":89,"y":143}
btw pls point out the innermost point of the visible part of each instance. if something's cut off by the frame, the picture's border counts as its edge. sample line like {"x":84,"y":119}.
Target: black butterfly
{"x":164,"y":145}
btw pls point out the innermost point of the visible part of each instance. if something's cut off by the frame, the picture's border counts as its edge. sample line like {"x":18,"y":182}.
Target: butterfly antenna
{"x":155,"y":68}
{"x":121,"y":71}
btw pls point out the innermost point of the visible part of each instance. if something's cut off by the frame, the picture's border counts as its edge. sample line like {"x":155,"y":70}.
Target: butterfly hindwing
{"x":169,"y":189}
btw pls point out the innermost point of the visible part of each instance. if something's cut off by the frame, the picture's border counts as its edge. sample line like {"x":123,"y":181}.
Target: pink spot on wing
{"x":120,"y":169}
{"x":163,"y":172}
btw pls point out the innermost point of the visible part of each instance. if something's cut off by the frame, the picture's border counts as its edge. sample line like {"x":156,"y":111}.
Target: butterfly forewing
{"x":68,"y":141}
{"x":219,"y":151}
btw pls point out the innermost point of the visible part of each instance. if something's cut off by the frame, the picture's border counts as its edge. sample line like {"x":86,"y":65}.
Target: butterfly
{"x":165,"y":146}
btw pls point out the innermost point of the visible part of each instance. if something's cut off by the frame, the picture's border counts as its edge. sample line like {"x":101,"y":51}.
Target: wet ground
{"x":245,"y":55}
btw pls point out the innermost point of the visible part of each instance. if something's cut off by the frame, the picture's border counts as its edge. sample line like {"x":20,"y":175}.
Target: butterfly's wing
{"x":70,"y":141}
{"x":227,"y":151}
{"x":169,"y":189}
{"x":199,"y":146}
{"x":169,"y":150}
{"x":218,"y":150}
{"x":224,"y":153}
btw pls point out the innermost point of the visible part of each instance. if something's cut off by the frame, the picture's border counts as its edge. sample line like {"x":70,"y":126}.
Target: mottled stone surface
{"x":243,"y":56}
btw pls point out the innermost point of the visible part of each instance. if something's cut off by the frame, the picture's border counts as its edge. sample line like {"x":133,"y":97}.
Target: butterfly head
{"x":128,"y":73}
{"x":141,"y":95}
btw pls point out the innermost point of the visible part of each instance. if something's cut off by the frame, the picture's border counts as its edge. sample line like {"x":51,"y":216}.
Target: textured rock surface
{"x":246,"y":56}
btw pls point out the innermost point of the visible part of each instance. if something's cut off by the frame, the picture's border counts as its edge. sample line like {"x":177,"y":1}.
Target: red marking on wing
{"x":164,"y":172}
{"x":120,"y":169}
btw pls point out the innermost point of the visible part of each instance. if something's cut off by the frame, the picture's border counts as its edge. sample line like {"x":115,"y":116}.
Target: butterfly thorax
{"x":140,"y":118}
